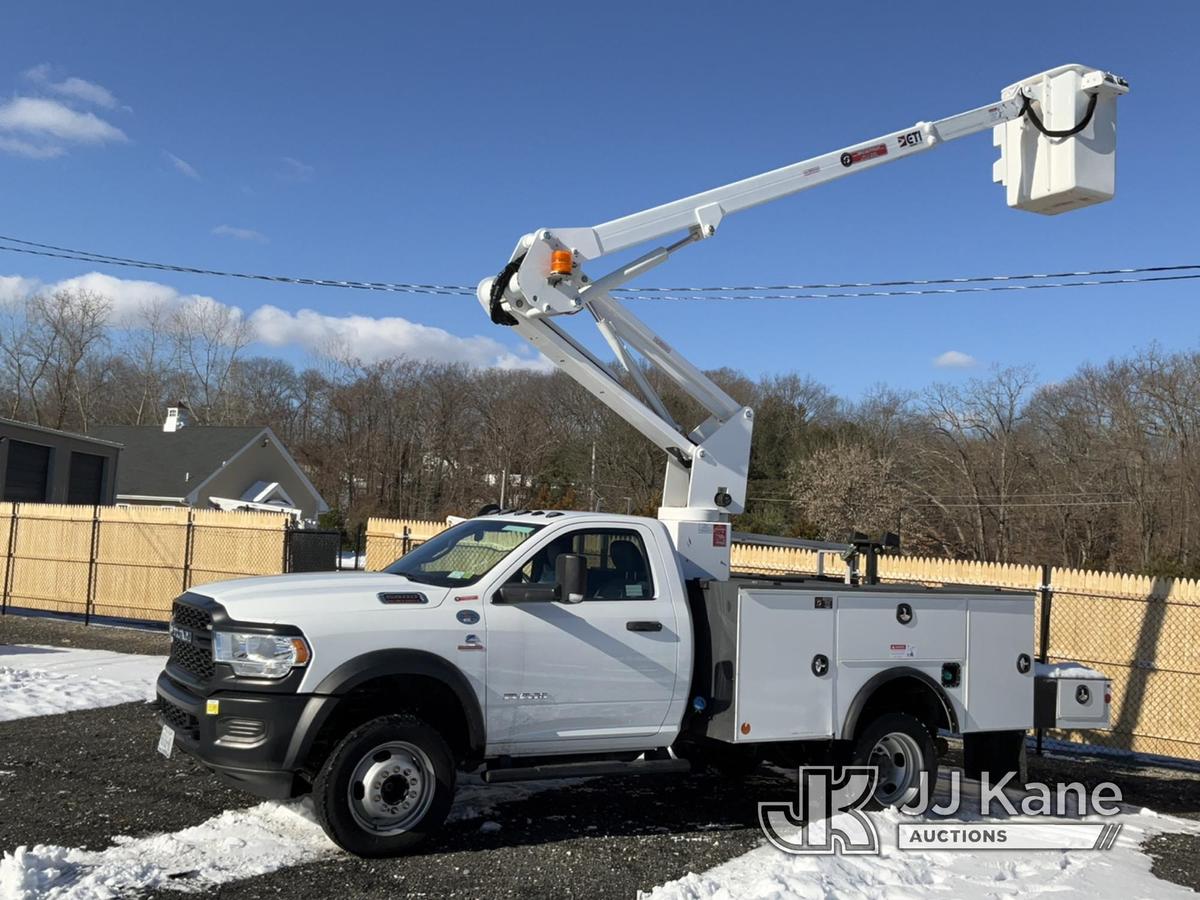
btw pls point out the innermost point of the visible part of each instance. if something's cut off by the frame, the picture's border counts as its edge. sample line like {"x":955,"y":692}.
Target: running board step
{"x":585,"y":769}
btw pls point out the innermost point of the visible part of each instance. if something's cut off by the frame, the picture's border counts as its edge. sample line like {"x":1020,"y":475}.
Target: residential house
{"x":206,"y":466}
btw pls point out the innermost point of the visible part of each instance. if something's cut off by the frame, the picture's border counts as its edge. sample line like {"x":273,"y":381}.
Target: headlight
{"x":260,"y":655}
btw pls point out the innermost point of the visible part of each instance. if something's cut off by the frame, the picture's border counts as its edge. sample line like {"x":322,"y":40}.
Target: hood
{"x":290,"y":598}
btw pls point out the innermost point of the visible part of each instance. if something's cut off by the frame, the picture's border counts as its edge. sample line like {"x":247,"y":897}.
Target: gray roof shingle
{"x":157,"y":463}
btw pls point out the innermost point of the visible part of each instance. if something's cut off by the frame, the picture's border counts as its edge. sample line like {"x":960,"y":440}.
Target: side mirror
{"x":527,"y":593}
{"x":570,"y":577}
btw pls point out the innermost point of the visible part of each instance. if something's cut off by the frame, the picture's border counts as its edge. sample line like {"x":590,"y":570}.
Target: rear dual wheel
{"x":901,"y":748}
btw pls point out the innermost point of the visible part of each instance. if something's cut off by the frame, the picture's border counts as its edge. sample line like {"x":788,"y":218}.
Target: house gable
{"x":266,"y":460}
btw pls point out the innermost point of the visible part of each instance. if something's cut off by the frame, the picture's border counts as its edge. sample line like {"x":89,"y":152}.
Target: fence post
{"x":287,"y":545}
{"x":93,"y":553}
{"x":360,"y":545}
{"x":1047,"y":596}
{"x":405,"y":542}
{"x":188,"y":544}
{"x":12,"y":551}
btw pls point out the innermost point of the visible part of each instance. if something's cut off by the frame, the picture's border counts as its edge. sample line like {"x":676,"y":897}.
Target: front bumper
{"x":255,"y":741}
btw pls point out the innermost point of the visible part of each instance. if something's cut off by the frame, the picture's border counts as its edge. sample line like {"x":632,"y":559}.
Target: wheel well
{"x":429,"y":699}
{"x":905,"y":694}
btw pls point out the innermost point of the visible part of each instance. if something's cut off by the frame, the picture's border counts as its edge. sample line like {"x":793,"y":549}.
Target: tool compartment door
{"x":999,"y":694}
{"x":778,"y":696}
{"x":872,"y":629}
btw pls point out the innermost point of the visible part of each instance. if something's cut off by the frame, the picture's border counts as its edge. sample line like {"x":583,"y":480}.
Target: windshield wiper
{"x":418,"y":578}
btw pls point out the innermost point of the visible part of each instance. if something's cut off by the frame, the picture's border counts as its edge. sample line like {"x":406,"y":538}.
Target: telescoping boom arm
{"x":1056,"y":132}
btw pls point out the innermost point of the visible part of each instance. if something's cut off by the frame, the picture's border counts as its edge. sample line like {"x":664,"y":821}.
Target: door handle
{"x":643,"y":626}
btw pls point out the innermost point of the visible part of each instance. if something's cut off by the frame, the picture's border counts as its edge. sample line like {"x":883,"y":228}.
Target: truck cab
{"x":470,"y":633}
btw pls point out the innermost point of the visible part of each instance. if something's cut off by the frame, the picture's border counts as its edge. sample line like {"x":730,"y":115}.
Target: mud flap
{"x":997,"y":753}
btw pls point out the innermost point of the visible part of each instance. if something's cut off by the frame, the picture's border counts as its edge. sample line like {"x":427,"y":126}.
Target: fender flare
{"x":888,"y":675}
{"x":382,"y":663}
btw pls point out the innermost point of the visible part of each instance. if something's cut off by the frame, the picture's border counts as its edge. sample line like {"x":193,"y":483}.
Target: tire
{"x":902,"y":748}
{"x":386,"y":787}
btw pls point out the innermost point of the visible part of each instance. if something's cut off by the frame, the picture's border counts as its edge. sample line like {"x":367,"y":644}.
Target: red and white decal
{"x":720,"y":535}
{"x":849,"y":158}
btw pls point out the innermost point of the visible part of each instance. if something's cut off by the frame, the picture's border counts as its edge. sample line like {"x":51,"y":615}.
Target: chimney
{"x":177,"y":417}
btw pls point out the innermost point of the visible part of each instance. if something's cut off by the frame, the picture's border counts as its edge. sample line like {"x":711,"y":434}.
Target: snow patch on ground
{"x":236,"y":844}
{"x":770,"y":874}
{"x":43,"y":681}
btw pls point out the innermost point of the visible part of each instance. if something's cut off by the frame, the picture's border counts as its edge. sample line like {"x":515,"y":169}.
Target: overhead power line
{"x":911,"y":282}
{"x":36,"y":249}
{"x":987,"y":289}
{"x":927,"y":504}
{"x":741,"y":293}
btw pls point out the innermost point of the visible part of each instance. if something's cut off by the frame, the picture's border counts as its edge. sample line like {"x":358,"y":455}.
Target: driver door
{"x":601,"y":673}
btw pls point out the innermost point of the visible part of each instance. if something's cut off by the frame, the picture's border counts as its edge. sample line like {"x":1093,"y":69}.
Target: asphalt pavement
{"x":82,"y":778}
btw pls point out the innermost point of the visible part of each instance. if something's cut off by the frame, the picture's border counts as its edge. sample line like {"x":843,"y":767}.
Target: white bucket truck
{"x":536,"y":644}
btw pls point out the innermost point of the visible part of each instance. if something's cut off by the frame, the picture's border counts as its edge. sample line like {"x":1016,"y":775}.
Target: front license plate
{"x":166,"y":741}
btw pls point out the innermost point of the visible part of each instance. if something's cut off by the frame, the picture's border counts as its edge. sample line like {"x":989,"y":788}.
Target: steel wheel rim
{"x":391,"y":788}
{"x":899,"y":761}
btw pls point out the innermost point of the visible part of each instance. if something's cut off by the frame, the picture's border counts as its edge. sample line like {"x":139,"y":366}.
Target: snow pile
{"x":1066,"y":670}
{"x":43,"y":681}
{"x":771,"y":874}
{"x":236,"y":844}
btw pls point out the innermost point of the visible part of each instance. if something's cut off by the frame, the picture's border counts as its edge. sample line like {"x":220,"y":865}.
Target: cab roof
{"x":546,"y":516}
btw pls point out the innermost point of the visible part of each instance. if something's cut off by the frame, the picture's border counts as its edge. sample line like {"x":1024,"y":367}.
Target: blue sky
{"x":417,"y":142}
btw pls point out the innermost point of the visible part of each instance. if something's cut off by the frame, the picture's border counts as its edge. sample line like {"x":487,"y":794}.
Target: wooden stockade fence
{"x":131,"y":562}
{"x":128,"y":562}
{"x":1142,"y":632}
{"x":389,"y":539}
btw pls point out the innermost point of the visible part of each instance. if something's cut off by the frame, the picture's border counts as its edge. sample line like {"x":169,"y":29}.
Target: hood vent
{"x":409,"y":598}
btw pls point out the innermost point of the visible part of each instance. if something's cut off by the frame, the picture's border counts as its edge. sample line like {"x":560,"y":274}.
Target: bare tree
{"x":847,"y":488}
{"x":208,"y":338}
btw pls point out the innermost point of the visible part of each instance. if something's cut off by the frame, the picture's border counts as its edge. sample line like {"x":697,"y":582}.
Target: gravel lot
{"x":84,"y":777}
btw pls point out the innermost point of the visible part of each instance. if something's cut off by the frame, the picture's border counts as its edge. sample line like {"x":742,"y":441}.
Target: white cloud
{"x":183,"y":166}
{"x":18,"y":147}
{"x":75,"y":88}
{"x":372,"y":339}
{"x":363,"y":337}
{"x":294,"y":170}
{"x":14,"y":287}
{"x":129,"y":296}
{"x":39,"y":116}
{"x":241,"y":234}
{"x":955,"y":359}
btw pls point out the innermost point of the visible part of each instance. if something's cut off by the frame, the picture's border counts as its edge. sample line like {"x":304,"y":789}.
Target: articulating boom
{"x":1057,"y":134}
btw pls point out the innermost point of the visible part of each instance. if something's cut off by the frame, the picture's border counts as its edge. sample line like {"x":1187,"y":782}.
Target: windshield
{"x":463,"y":554}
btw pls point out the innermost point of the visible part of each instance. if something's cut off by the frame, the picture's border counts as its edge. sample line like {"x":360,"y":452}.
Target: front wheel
{"x":901,"y":748}
{"x":386,"y":787}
